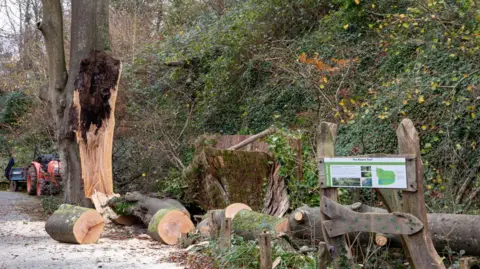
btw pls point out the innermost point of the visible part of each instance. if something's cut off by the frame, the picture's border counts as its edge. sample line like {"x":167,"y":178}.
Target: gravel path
{"x":25,"y":244}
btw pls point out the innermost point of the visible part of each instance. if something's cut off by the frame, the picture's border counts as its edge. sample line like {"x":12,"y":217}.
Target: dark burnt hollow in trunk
{"x":98,"y":75}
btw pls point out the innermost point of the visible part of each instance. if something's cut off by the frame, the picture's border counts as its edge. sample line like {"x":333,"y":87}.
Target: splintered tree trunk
{"x":249,"y":224}
{"x":167,"y":225}
{"x":89,"y":34}
{"x":74,"y":224}
{"x":94,"y":104}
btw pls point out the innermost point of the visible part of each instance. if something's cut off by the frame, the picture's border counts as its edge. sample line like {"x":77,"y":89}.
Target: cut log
{"x":381,"y":239}
{"x":168,"y":225}
{"x":233,"y":209}
{"x":74,"y":224}
{"x":249,"y":224}
{"x":143,"y":207}
{"x":94,"y":121}
{"x":203,"y":228}
{"x":454,"y":231}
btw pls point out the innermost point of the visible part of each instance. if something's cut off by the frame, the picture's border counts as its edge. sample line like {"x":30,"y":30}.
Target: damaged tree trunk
{"x":89,"y":34}
{"x":94,"y":106}
{"x":74,"y":224}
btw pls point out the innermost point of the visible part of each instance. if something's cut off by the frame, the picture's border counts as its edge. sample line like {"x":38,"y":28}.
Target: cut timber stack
{"x":74,"y":224}
{"x":168,"y":225}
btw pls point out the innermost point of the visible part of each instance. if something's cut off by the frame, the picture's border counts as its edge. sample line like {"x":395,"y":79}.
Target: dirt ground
{"x":25,"y":244}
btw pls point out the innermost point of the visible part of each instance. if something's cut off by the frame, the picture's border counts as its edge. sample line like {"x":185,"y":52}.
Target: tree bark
{"x":168,"y":225}
{"x":143,"y":207}
{"x":60,"y":99}
{"x":74,"y":224}
{"x":89,"y":31}
{"x":249,"y":224}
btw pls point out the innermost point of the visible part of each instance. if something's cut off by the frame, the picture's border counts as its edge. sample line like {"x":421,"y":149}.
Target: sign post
{"x":386,"y":173}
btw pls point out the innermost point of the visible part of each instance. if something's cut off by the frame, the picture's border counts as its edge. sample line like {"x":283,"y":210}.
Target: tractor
{"x":43,"y":175}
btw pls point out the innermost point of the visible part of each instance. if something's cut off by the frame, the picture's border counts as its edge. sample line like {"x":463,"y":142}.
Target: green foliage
{"x":246,"y":254}
{"x":12,"y":107}
{"x":365,"y":65}
{"x":121,"y":206}
{"x":50,"y":204}
{"x":285,"y":146}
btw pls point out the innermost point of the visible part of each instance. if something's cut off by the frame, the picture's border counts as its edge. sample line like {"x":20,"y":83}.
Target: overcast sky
{"x":9,"y":24}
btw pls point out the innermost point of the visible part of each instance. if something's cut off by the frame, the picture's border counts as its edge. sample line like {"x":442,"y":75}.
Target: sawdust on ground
{"x":25,"y":244}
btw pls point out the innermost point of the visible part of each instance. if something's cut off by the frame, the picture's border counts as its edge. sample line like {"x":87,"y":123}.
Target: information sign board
{"x":386,"y":173}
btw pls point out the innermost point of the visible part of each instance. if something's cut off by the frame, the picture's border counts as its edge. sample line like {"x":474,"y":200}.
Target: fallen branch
{"x":253,"y":138}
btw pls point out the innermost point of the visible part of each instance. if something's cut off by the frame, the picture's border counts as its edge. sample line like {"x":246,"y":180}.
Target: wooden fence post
{"x":225,"y":233}
{"x":213,"y":225}
{"x":323,"y":256}
{"x":326,"y":135}
{"x":265,"y":242}
{"x":420,"y":246}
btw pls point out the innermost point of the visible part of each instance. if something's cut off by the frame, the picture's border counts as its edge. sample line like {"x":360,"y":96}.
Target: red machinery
{"x":43,"y":175}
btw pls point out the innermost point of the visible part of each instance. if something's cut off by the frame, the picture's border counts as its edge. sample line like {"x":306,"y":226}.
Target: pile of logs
{"x":167,"y":220}
{"x":303,"y":227}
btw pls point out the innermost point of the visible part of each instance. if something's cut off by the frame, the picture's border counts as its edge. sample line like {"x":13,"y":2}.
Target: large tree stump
{"x":168,"y":225}
{"x":94,"y":121}
{"x":74,"y":224}
{"x":249,"y":224}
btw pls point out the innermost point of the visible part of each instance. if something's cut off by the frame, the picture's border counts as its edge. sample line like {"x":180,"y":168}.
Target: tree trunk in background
{"x":89,"y":31}
{"x":60,"y":99}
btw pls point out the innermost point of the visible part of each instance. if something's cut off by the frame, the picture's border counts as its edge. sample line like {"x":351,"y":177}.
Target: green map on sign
{"x":385,"y":177}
